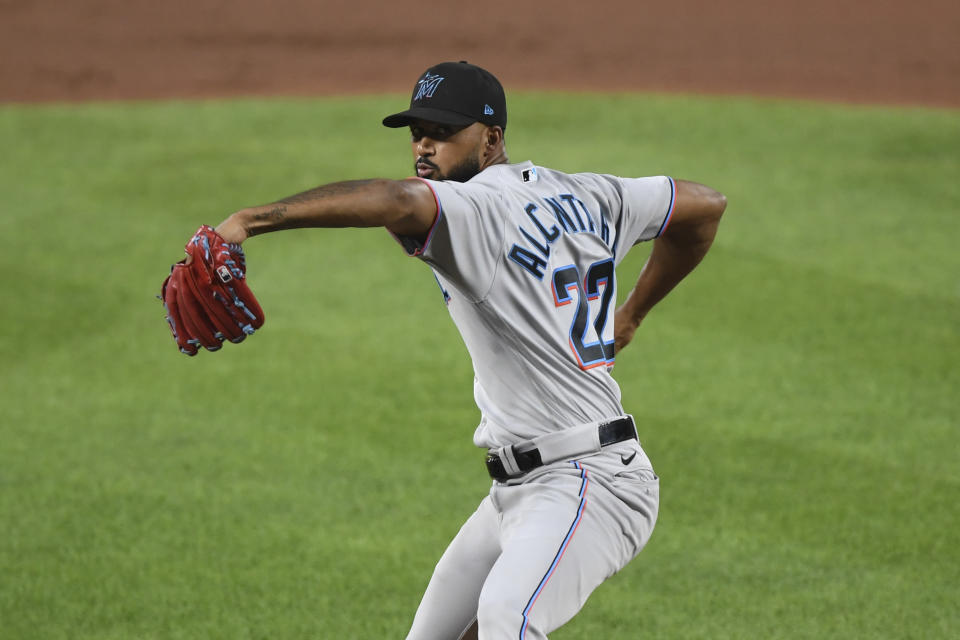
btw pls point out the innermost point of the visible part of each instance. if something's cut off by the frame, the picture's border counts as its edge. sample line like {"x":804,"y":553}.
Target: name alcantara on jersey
{"x":566,"y":210}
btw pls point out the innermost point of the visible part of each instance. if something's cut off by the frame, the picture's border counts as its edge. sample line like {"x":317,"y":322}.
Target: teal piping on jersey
{"x":419,"y":250}
{"x":673,"y":202}
{"x":563,"y":548}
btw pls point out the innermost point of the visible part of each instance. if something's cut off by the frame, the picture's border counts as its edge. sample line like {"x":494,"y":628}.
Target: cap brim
{"x":440,"y":116}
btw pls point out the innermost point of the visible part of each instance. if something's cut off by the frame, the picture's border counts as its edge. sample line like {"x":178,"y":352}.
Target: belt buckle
{"x":495,"y":467}
{"x":526,"y":461}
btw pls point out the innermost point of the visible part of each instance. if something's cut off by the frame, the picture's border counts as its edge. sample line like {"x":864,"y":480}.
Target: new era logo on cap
{"x":487,"y":110}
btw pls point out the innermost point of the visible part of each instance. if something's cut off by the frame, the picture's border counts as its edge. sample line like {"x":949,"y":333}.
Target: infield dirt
{"x":853,"y":51}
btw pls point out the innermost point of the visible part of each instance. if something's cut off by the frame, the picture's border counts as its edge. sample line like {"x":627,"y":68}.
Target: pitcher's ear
{"x":494,"y":135}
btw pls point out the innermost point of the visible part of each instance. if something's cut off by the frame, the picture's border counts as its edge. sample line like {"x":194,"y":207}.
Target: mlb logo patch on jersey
{"x":529,"y":175}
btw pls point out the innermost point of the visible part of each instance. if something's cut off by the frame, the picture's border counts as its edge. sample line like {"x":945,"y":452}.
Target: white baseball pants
{"x":525,"y":562}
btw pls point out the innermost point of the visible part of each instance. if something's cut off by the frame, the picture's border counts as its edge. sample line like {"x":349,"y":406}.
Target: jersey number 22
{"x":566,"y":279}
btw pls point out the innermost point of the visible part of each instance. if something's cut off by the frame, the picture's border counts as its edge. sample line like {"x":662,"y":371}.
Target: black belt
{"x":610,"y":433}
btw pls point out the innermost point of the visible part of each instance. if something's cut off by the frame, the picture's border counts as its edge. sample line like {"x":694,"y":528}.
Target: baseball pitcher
{"x":526,"y":259}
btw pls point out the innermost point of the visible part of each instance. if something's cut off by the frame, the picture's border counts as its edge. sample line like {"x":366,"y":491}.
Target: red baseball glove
{"x":206,"y":296}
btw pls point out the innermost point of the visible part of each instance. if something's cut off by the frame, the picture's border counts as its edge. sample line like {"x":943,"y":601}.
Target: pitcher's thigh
{"x":559,"y":544}
{"x":449,"y":604}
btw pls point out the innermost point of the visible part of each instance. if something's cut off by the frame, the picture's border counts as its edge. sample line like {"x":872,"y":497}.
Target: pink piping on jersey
{"x":563,"y":549}
{"x":436,"y":220}
{"x":420,"y":250}
{"x":673,"y":202}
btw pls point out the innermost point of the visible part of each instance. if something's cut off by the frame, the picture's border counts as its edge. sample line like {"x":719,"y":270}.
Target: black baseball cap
{"x":455,"y":93}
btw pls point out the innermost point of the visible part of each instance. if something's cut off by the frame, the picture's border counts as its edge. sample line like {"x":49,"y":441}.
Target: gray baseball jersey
{"x":525,"y":257}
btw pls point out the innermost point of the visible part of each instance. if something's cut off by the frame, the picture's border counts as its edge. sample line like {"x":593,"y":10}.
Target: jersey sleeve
{"x":647,"y":204}
{"x":466,"y":240}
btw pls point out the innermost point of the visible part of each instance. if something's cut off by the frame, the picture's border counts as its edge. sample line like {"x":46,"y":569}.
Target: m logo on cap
{"x":427,"y":86}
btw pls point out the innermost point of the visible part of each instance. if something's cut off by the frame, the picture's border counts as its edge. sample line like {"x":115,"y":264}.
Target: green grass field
{"x":798,"y":394}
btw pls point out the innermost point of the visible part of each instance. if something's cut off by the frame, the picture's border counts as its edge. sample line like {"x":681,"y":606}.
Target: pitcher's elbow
{"x":718,"y":204}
